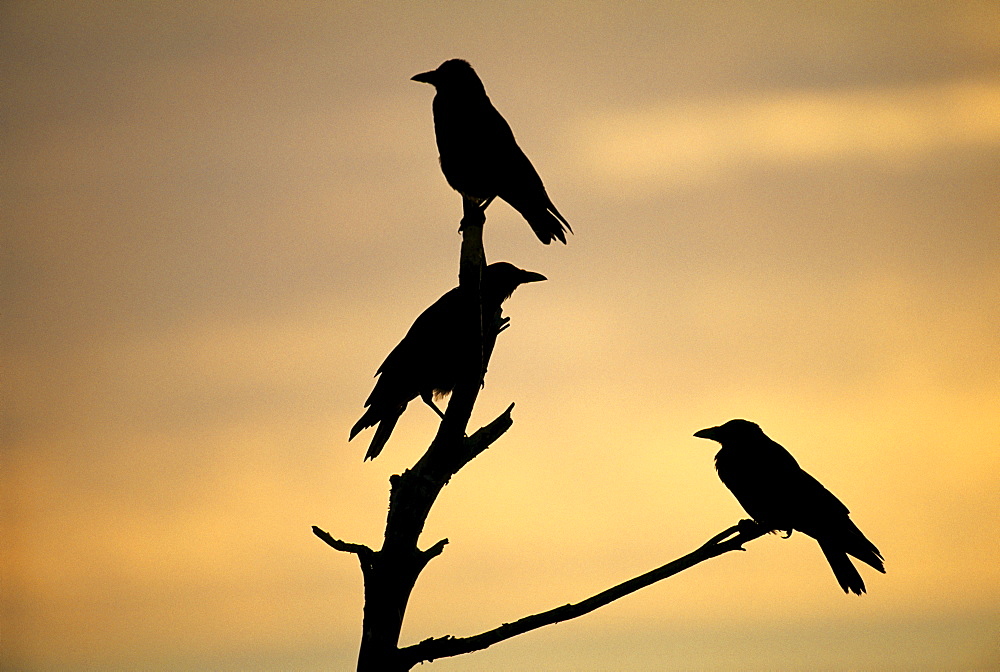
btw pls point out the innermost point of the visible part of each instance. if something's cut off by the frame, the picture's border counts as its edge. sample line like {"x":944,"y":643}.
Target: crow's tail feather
{"x":548,"y":225}
{"x":385,"y":419}
{"x":845,"y":571}
{"x":857,"y":544}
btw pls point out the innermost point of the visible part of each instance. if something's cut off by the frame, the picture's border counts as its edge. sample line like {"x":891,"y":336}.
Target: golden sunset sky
{"x":218,"y":218}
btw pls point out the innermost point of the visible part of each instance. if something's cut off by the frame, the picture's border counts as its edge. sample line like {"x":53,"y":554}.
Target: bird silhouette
{"x":429,"y":360}
{"x":479,"y":156}
{"x":779,"y":495}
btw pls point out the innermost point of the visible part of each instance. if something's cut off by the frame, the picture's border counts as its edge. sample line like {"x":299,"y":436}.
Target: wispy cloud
{"x":702,"y":139}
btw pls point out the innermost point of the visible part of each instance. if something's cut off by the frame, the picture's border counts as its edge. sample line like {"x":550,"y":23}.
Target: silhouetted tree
{"x":391,"y":571}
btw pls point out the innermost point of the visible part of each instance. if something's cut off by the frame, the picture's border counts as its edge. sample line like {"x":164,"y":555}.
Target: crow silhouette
{"x":479,"y":157}
{"x":779,"y":495}
{"x":428,"y":362}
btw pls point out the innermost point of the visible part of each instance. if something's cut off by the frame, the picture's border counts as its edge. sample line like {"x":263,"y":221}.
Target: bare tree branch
{"x":485,"y":436}
{"x":435,"y":550}
{"x":359,"y":549}
{"x":482,"y":439}
{"x":731,"y":539}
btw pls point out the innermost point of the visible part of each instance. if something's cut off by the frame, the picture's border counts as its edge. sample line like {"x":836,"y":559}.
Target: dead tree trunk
{"x":391,"y":572}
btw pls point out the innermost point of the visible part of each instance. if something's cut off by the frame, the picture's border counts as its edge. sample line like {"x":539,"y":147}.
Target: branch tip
{"x":485,"y":436}
{"x":436,"y":549}
{"x":358,"y":549}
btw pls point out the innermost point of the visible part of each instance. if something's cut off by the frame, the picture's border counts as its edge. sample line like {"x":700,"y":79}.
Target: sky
{"x":218,"y":218}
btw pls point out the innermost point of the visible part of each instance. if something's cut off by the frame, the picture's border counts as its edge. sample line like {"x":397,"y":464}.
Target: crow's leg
{"x":429,"y":400}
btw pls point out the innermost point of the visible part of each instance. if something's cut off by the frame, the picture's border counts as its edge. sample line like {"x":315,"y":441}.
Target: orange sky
{"x":219,"y":219}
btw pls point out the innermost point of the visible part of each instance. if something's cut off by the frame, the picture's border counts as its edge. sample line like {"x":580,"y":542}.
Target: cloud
{"x":703,"y":139}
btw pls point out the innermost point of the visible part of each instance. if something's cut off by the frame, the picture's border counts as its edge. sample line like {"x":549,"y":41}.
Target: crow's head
{"x":453,"y":75}
{"x":501,"y":279}
{"x":734,"y":430}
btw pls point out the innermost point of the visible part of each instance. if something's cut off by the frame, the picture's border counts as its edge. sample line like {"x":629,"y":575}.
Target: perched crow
{"x":479,"y":156}
{"x":429,"y":359}
{"x":779,"y":495}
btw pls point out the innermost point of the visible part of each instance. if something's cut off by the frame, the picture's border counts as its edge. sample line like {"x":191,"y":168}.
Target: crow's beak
{"x":709,"y":433}
{"x":426,"y":77}
{"x":530,"y":276}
